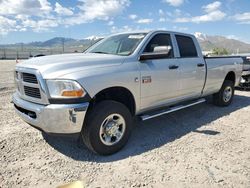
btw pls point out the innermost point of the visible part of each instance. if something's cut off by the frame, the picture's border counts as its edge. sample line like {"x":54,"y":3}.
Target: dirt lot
{"x":203,"y":146}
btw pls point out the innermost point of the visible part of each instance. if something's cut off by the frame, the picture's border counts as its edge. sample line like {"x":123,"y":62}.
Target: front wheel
{"x":225,"y":96}
{"x":107,"y":128}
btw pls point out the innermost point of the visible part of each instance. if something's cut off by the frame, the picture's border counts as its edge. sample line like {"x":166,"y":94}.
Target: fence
{"x":12,"y":53}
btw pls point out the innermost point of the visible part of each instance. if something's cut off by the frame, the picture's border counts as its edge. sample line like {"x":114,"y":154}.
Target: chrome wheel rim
{"x":227,"y":94}
{"x":112,"y":129}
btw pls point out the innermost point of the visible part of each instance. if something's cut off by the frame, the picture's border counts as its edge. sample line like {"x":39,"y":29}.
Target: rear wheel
{"x":107,"y":128}
{"x":225,"y":96}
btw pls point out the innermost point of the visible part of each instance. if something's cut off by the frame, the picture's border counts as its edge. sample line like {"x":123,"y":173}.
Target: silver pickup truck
{"x":137,"y":74}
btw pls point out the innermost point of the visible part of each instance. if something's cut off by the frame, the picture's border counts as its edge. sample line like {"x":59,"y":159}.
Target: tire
{"x":225,"y":96}
{"x":101,"y":132}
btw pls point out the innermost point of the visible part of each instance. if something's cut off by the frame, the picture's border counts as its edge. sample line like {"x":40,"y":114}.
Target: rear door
{"x":192,"y":67}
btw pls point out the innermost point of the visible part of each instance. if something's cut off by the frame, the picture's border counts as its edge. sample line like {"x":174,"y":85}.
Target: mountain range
{"x":55,"y":42}
{"x":207,"y":43}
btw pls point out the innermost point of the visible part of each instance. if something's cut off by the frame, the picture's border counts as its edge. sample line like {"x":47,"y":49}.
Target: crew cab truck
{"x":97,"y":93}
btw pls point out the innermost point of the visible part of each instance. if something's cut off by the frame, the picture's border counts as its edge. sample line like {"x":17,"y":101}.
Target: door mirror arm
{"x":148,"y":56}
{"x":159,"y":52}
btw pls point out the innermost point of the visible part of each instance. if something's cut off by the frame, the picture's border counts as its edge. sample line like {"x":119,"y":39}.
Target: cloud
{"x":41,"y":15}
{"x":7,"y":25}
{"x":144,"y":21}
{"x":170,"y":16}
{"x":44,"y":25}
{"x":111,"y":22}
{"x":125,"y":28}
{"x":91,"y":10}
{"x":213,"y":13}
{"x":162,"y":16}
{"x":59,"y":9}
{"x":132,"y":16}
{"x":25,"y":7}
{"x":243,"y":18}
{"x":177,"y":28}
{"x":161,"y":12}
{"x":210,"y":17}
{"x":162,"y":19}
{"x":233,"y":37}
{"x":212,"y":6}
{"x":22,"y":14}
{"x":174,"y":3}
{"x":177,"y":12}
{"x":41,"y":25}
{"x":45,"y":6}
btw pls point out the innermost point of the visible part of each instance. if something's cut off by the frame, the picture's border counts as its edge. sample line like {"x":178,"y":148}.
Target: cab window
{"x":186,"y":46}
{"x":159,"y":40}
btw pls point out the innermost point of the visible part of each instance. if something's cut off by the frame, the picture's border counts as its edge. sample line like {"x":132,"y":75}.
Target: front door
{"x":159,"y":77}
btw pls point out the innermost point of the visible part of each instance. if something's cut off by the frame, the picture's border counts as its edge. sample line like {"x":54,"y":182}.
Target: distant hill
{"x":210,"y":42}
{"x":56,"y":42}
{"x":207,"y":43}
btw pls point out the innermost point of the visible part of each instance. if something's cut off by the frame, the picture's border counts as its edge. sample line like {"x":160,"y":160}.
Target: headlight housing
{"x":65,"y":89}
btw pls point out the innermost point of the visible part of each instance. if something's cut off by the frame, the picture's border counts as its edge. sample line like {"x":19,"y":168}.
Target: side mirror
{"x":162,"y":49}
{"x":158,"y":53}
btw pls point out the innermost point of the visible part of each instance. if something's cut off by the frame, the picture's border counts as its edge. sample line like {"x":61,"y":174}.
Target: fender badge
{"x":146,"y":79}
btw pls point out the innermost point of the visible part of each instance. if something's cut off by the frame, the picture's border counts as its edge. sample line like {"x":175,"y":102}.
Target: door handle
{"x":200,"y":65}
{"x":173,"y":67}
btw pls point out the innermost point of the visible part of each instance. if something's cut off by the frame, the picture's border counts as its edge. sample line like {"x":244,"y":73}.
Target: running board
{"x":172,"y":109}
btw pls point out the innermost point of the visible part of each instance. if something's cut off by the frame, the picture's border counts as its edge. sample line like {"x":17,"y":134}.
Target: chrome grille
{"x":30,"y":85}
{"x":30,"y":78}
{"x":32,"y":92}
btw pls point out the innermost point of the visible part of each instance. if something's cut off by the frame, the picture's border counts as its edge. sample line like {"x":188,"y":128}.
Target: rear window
{"x":186,"y":46}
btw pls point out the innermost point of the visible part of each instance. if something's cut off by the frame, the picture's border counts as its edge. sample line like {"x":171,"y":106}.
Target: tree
{"x":220,"y":51}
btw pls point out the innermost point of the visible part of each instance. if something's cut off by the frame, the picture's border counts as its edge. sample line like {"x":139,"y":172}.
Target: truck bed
{"x":217,"y":69}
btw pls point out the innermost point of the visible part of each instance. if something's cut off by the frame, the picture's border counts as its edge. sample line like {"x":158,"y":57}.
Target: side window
{"x":186,"y":46}
{"x":159,"y":40}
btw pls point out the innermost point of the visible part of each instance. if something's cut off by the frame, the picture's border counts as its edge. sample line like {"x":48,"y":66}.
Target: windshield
{"x":123,"y":44}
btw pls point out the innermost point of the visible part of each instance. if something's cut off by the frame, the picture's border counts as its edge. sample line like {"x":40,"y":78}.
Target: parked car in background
{"x":245,"y":80}
{"x":38,"y":55}
{"x":97,"y":93}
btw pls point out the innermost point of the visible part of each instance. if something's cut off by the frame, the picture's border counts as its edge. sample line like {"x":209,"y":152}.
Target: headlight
{"x":65,"y":89}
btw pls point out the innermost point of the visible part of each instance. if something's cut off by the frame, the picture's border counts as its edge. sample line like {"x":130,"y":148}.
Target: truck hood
{"x":55,"y":66}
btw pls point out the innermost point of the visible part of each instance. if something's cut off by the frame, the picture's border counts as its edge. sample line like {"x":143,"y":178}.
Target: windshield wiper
{"x":100,"y":52}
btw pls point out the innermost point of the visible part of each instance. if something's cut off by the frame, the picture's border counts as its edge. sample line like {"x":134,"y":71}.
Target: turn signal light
{"x":74,"y":93}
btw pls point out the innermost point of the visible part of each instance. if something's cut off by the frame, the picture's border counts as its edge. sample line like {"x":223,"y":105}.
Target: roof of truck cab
{"x":151,"y":31}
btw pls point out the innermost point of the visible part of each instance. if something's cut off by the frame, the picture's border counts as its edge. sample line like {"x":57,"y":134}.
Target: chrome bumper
{"x":245,"y":73}
{"x":52,"y":118}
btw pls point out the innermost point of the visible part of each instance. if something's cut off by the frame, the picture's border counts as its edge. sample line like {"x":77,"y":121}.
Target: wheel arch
{"x":116,"y":93}
{"x":231,"y":76}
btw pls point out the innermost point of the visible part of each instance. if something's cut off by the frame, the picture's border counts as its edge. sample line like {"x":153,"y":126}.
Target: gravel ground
{"x":202,"y":146}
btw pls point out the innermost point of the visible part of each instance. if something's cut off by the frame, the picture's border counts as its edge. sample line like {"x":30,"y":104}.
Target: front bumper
{"x":52,"y":118}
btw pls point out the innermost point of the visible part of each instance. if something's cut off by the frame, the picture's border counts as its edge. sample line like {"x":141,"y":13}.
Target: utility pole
{"x":63,"y":44}
{"x":22,"y":47}
{"x":4,"y":53}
